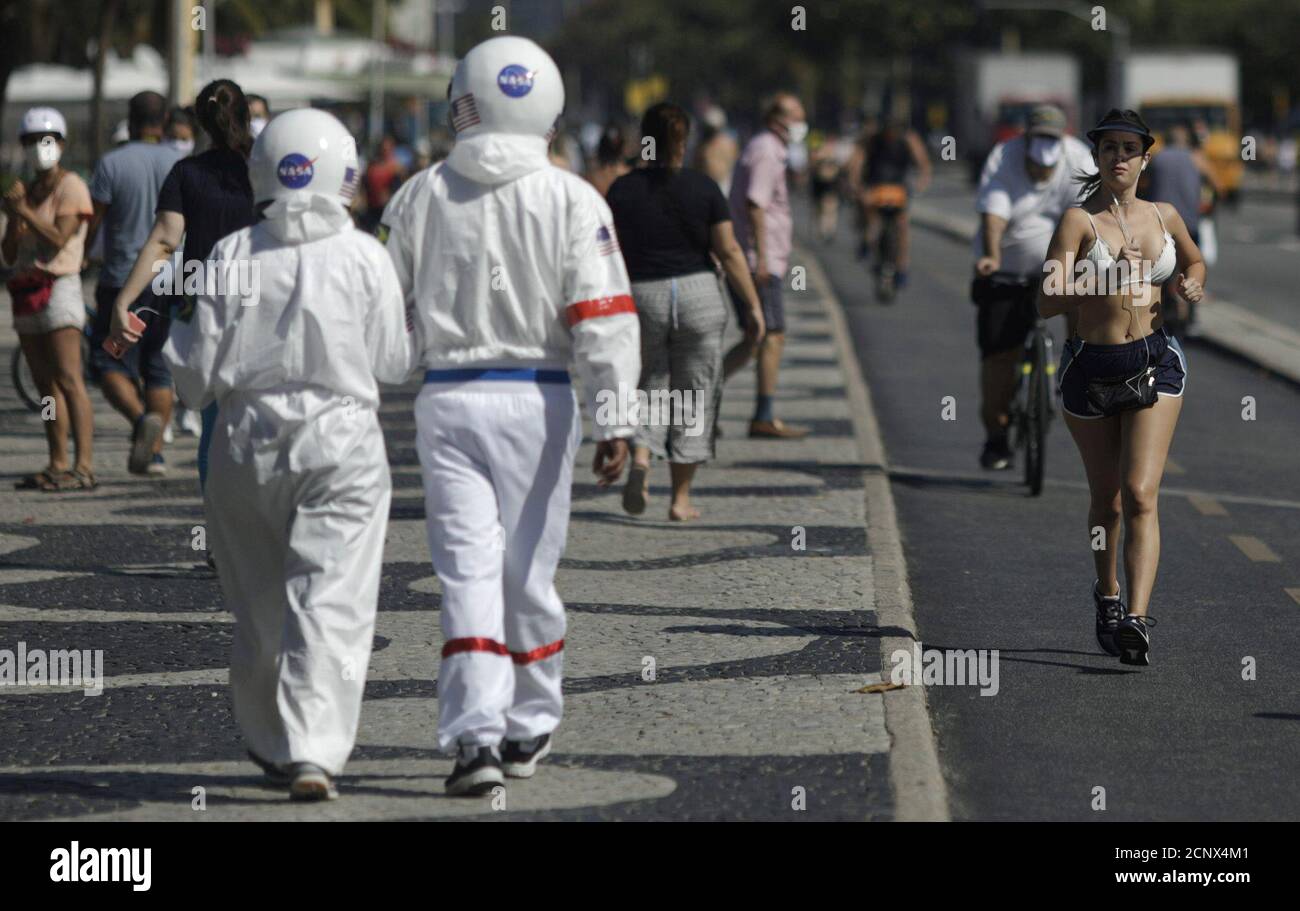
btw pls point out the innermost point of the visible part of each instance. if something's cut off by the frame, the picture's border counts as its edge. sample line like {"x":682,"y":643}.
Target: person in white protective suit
{"x":298,"y":497}
{"x":513,"y":270}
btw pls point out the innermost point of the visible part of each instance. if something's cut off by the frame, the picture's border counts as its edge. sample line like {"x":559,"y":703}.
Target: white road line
{"x":1254,"y":549}
{"x":1206,"y":506}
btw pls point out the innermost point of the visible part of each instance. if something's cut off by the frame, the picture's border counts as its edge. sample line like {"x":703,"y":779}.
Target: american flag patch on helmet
{"x":464,"y":112}
{"x":606,"y":241}
{"x":349,"y":188}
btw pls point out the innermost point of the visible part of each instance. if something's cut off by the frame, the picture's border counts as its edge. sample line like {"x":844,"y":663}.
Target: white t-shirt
{"x":1032,"y":211}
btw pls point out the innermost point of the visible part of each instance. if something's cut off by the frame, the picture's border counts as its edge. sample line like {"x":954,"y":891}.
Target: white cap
{"x":302,"y":153}
{"x":43,"y":120}
{"x":506,"y":85}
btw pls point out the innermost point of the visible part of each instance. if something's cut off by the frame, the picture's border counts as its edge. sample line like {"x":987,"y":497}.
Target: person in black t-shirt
{"x":671,"y":223}
{"x":203,"y":199}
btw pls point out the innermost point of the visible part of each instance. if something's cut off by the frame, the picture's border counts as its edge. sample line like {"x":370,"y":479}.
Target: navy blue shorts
{"x":1082,"y":362}
{"x":143,"y":361}
{"x":769,"y":295}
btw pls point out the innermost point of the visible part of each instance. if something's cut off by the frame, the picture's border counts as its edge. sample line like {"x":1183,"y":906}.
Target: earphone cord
{"x":1146,"y":345}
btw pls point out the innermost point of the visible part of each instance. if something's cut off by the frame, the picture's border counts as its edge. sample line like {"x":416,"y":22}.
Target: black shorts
{"x":1005,"y":314}
{"x":1082,"y":362}
{"x":143,"y":361}
{"x":769,"y":294}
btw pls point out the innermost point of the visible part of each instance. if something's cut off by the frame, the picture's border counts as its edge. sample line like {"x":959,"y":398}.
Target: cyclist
{"x":1122,"y":375}
{"x":878,"y":172}
{"x":1025,"y":186}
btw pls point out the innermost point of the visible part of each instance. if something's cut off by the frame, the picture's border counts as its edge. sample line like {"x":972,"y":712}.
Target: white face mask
{"x":798,"y":132}
{"x":43,"y":155}
{"x":184,"y":146}
{"x":256,"y":125}
{"x":1045,"y":150}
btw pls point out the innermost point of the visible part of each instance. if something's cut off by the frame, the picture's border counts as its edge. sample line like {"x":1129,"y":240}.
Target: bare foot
{"x":683,"y":513}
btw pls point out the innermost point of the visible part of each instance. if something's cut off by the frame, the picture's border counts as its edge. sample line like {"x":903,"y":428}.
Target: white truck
{"x":995,"y":92}
{"x":1200,"y":88}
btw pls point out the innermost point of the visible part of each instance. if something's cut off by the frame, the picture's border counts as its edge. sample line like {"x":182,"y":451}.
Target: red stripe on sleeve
{"x":473,"y":644}
{"x":601,"y":306}
{"x":537,"y":654}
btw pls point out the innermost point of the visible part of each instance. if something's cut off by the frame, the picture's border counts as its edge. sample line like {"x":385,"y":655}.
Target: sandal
{"x":35,"y":481}
{"x":634,"y":494}
{"x":70,"y":480}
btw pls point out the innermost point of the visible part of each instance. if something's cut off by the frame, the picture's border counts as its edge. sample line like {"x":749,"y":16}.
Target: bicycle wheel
{"x":24,"y":382}
{"x":886,"y":253}
{"x":1036,"y":416}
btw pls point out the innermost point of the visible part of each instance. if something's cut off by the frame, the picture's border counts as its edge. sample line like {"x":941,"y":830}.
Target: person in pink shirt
{"x":760,"y":210}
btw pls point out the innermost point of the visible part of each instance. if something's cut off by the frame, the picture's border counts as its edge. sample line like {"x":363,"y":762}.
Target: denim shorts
{"x":1083,"y":362}
{"x":143,"y":361}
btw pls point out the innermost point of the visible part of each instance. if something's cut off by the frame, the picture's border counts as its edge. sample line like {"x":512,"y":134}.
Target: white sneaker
{"x":191,"y":422}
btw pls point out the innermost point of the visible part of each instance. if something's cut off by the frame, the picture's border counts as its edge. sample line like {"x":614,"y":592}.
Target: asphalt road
{"x":990,"y":568}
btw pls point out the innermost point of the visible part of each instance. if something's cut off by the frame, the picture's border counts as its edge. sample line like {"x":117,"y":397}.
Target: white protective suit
{"x":513,"y":271}
{"x":298,"y":496}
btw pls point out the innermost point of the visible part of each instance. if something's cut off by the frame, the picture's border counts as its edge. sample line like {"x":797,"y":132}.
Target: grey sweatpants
{"x":682,"y":323}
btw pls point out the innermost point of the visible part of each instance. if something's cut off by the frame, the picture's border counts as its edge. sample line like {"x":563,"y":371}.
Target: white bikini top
{"x":1164,"y":266}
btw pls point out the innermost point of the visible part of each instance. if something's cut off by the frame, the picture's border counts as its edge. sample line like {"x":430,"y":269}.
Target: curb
{"x":920,"y":794}
{"x":1221,"y":323}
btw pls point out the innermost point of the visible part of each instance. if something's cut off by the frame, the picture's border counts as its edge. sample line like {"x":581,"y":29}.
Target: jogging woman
{"x":1121,"y":375}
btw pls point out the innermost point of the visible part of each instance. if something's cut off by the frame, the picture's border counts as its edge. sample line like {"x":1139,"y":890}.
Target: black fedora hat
{"x":1122,"y":122}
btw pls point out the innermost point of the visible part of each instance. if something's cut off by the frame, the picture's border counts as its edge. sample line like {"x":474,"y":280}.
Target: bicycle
{"x":1032,"y":406}
{"x":890,"y":202}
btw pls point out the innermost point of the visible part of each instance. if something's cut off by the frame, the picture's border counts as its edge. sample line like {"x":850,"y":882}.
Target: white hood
{"x":301,"y":219}
{"x":497,"y":158}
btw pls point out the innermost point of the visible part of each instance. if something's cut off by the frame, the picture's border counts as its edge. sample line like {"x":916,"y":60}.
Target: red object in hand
{"x":116,"y":348}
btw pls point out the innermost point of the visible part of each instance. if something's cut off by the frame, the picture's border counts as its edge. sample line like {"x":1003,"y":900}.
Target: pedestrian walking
{"x":299,"y":485}
{"x":671,"y":221}
{"x":760,"y":209}
{"x":204,"y":198}
{"x":125,"y":188}
{"x":514,"y":269}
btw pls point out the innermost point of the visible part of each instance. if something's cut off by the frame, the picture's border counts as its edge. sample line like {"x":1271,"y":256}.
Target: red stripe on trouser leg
{"x":473,"y":644}
{"x":537,"y":654}
{"x":601,"y":306}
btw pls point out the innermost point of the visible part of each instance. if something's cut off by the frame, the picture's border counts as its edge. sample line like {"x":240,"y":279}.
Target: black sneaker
{"x":146,"y":433}
{"x":1110,"y":611}
{"x":477,"y":772}
{"x":311,"y":783}
{"x":1133,"y":639}
{"x":996,"y":456}
{"x":519,"y":758}
{"x":274,"y":776}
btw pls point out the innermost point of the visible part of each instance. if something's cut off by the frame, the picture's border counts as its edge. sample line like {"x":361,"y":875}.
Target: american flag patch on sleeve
{"x":606,"y":241}
{"x":464,"y":113}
